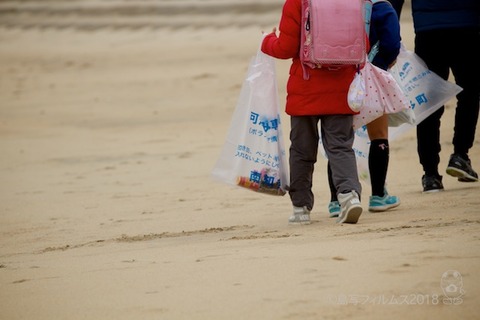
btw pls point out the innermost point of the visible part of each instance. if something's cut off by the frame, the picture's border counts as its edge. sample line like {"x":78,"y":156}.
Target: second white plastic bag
{"x":253,"y":155}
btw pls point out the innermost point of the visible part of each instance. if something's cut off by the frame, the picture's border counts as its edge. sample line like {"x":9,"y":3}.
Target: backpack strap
{"x":305,"y":28}
{"x":368,"y":15}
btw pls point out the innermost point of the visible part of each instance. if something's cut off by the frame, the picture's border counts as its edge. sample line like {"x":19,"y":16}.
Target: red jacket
{"x":326,"y":90}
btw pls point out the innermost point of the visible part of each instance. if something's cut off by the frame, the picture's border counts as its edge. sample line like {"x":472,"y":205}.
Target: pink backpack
{"x":333,"y":33}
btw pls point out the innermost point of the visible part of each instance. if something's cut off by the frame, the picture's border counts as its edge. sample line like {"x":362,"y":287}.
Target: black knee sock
{"x":333,"y":190}
{"x":378,"y":165}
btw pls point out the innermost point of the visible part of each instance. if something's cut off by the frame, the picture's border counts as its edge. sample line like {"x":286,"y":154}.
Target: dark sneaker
{"x":461,"y":168}
{"x":432,"y":183}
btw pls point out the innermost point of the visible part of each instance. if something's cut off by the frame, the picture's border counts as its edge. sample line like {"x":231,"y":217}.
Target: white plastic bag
{"x":399,"y":118}
{"x":361,"y":147}
{"x":426,"y":91}
{"x":356,"y":92}
{"x":253,"y":155}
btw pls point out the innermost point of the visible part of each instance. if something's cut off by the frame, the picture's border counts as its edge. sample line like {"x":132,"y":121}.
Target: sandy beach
{"x":112,"y":116}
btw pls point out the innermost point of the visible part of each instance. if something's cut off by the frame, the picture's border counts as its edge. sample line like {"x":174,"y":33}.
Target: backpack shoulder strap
{"x":305,"y":29}
{"x":368,"y":15}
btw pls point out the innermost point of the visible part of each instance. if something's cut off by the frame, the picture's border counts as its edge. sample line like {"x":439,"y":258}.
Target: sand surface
{"x":112,"y":116}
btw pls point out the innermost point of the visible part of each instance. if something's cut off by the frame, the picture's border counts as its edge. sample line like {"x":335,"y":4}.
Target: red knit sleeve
{"x":287,"y":44}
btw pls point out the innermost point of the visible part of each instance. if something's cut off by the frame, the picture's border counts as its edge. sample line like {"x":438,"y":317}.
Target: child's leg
{"x":303,"y":155}
{"x":379,"y":154}
{"x":333,"y":190}
{"x":378,"y":165}
{"x":337,"y":137}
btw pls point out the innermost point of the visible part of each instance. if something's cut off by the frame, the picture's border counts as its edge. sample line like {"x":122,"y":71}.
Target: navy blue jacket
{"x":445,"y":14}
{"x":385,"y":27}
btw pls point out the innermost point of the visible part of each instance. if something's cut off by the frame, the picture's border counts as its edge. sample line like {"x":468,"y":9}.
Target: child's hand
{"x":392,"y":64}
{"x":273,"y":31}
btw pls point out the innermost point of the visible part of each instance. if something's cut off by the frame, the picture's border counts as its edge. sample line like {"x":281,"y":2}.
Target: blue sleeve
{"x":385,"y":28}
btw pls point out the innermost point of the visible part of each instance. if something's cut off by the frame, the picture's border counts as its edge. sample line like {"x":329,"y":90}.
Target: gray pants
{"x":337,"y":138}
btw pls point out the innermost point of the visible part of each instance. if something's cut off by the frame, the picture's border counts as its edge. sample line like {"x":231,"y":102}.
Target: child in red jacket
{"x":323,"y":97}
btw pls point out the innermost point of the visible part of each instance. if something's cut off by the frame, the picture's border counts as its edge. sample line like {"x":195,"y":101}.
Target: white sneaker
{"x":351,"y":207}
{"x":301,"y":215}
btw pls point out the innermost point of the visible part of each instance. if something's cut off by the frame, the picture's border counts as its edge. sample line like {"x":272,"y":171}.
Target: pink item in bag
{"x":333,"y":33}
